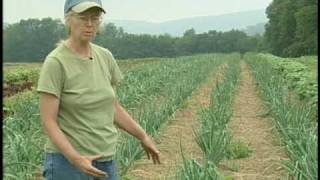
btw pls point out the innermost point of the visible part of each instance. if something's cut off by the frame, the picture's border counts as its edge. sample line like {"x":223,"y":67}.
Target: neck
{"x":80,"y":47}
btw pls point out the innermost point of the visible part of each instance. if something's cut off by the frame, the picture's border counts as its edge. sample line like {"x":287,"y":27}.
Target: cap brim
{"x":79,"y":8}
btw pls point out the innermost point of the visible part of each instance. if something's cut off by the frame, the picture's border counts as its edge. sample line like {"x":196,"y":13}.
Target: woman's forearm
{"x":124,"y":121}
{"x":59,"y":139}
{"x":49,"y":107}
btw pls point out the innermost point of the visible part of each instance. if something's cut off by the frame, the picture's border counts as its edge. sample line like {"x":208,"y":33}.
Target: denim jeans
{"x":57,"y":167}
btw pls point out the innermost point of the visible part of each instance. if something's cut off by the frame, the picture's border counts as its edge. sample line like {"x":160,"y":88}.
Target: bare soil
{"x":256,"y":131}
{"x":178,"y":130}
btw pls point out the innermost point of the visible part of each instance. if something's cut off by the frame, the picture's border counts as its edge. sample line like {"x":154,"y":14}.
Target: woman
{"x":78,"y":104}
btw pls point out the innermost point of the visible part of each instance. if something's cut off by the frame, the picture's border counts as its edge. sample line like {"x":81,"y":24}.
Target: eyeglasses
{"x":85,"y":19}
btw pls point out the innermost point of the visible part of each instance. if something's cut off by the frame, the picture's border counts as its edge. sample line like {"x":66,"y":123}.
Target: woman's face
{"x":84,"y":26}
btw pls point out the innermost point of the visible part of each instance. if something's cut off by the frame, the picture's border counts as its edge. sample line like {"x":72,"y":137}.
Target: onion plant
{"x":293,"y":119}
{"x":213,"y":136}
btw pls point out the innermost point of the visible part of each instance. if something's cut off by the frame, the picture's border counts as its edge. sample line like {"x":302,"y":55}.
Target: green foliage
{"x":24,"y":139}
{"x":296,"y":122}
{"x":213,"y":143}
{"x":298,"y":76}
{"x":31,"y":40}
{"x":238,"y":149}
{"x":292,"y":29}
{"x":13,"y":106}
{"x":310,"y":61}
{"x":213,"y":137}
{"x":21,"y":75}
{"x":154,"y":114}
{"x":192,"y":170}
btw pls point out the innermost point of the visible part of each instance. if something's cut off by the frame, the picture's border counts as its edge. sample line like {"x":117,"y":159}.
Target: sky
{"x":145,"y":10}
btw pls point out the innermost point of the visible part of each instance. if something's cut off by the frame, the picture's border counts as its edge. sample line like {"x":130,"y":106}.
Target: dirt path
{"x":178,"y":129}
{"x":257,"y":131}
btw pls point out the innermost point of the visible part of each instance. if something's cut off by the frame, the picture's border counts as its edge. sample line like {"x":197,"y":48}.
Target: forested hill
{"x":224,"y":22}
{"x":291,"y":31}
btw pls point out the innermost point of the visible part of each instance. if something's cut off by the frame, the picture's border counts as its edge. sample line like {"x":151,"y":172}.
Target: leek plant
{"x":192,"y":170}
{"x":294,"y":120}
{"x":155,"y":115}
{"x":23,"y":137}
{"x":213,"y":137}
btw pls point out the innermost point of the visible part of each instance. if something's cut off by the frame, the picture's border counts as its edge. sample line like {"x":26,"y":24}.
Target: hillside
{"x":225,"y":22}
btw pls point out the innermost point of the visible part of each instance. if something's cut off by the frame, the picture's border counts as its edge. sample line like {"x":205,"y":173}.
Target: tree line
{"x":292,"y":31}
{"x":31,"y":40}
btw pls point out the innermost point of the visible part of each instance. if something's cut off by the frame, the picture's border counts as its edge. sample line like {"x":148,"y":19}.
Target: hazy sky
{"x":148,"y":10}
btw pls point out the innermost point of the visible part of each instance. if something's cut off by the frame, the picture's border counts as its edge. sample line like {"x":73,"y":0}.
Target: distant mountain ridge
{"x":251,"y":22}
{"x":225,"y":22}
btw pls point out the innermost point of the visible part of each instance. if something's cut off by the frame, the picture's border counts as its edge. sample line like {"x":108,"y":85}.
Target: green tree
{"x":292,"y":29}
{"x":31,"y":40}
{"x":186,"y":44}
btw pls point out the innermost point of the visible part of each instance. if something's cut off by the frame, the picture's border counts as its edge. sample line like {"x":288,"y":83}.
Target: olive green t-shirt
{"x":87,"y":99}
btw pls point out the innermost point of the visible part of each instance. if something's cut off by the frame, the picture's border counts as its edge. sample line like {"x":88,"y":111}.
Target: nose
{"x":89,"y":22}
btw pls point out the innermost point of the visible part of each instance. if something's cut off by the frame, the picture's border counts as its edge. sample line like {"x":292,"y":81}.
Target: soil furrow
{"x":249,"y":126}
{"x":179,"y":129}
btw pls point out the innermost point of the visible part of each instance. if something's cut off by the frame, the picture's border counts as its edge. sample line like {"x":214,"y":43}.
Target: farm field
{"x":123,"y":64}
{"x":212,"y":116}
{"x":22,"y":76}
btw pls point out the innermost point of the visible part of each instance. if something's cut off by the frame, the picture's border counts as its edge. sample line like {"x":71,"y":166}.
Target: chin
{"x":87,"y":39}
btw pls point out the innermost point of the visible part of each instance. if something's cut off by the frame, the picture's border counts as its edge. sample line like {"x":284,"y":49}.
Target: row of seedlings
{"x":148,"y":81}
{"x":300,"y":78}
{"x":213,"y":136}
{"x":24,"y":136}
{"x":295,"y":121}
{"x":158,"y":112}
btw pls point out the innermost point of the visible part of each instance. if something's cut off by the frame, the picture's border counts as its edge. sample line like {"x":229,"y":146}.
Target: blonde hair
{"x":67,"y":18}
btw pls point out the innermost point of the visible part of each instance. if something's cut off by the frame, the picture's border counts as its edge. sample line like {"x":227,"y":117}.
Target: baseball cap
{"x":81,"y":5}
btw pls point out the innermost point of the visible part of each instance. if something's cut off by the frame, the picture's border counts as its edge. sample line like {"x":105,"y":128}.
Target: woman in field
{"x":78,"y":104}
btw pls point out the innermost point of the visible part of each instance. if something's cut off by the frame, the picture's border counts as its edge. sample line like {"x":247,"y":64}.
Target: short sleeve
{"x":51,"y":77}
{"x":116,"y":75}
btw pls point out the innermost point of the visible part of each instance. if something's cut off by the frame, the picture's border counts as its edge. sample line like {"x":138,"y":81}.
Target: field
{"x":212,"y":116}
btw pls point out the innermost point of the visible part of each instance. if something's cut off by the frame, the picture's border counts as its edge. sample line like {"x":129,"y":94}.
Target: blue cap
{"x":81,"y":5}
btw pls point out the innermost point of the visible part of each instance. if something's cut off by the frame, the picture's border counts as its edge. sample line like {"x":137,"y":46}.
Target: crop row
{"x":180,"y":83}
{"x":20,"y":75}
{"x":24,"y":138}
{"x":295,"y":121}
{"x":299,"y":77}
{"x":155,"y":79}
{"x":213,"y":137}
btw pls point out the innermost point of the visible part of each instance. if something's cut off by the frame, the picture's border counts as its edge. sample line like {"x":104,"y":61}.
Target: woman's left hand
{"x":151,"y":149}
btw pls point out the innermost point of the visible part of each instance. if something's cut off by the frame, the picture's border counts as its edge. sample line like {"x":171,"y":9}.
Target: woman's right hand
{"x":49,"y":107}
{"x":84,"y":163}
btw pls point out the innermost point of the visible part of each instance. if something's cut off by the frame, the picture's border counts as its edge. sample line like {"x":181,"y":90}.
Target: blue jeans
{"x":57,"y":167}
